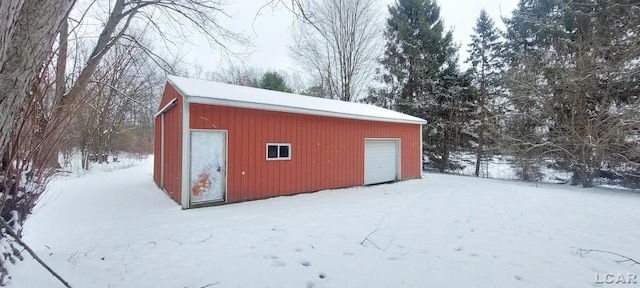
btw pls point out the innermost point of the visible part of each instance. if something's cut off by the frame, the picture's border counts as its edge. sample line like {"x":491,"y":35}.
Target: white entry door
{"x":207,"y":176}
{"x":380,"y":160}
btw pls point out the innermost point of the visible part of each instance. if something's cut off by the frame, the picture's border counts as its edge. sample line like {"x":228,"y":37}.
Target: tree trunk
{"x":480,"y":146}
{"x":581,"y":175}
{"x":27,"y":37}
{"x":61,"y":61}
{"x":48,"y":157}
{"x":444,"y":156}
{"x":27,"y":32}
{"x":105,"y":41}
{"x":588,"y":182}
{"x":587,"y":178}
{"x":483,"y":119}
{"x":9,"y":9}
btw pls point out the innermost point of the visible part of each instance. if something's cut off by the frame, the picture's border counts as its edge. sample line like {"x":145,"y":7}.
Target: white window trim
{"x":266,"y":149}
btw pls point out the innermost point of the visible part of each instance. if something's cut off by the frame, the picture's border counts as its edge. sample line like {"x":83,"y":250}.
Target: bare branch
{"x":581,"y":252}
{"x":33,"y":254}
{"x":366,"y":239}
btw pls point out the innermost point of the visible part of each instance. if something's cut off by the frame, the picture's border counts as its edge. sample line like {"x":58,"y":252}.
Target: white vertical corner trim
{"x":162,"y":152}
{"x":421,"y":152}
{"x":226,"y":165}
{"x":399,"y":159}
{"x":186,"y":142}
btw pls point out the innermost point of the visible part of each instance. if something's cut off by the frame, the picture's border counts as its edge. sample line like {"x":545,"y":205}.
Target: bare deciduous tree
{"x":337,"y":41}
{"x":36,"y":107}
{"x":23,"y":177}
{"x":27,"y":32}
{"x":122,"y":89}
{"x":165,"y":21}
{"x":238,"y":75}
{"x":201,"y":15}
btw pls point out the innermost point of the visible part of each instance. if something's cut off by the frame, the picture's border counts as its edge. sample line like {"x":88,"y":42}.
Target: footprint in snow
{"x":278,"y":263}
{"x":310,"y":284}
{"x":322,"y":275}
{"x":518,"y":277}
{"x":305,"y":263}
{"x":458,"y":249}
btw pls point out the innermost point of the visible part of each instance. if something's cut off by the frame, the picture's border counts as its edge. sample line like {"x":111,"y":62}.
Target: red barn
{"x":221,"y":143}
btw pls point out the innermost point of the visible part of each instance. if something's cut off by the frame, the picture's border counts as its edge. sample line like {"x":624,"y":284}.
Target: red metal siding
{"x":326,"y":152}
{"x":172,"y":145}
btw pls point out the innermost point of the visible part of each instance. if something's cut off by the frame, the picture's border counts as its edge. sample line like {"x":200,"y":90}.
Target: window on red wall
{"x":278,"y":151}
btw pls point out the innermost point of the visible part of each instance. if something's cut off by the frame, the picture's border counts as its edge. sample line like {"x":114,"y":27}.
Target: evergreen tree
{"x":273,"y":81}
{"x":525,"y":119}
{"x":422,"y":78}
{"x":486,"y":68}
{"x":574,"y":64}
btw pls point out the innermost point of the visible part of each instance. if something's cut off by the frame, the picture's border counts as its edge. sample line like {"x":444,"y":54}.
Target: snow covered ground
{"x":502,"y":167}
{"x":116,"y":229}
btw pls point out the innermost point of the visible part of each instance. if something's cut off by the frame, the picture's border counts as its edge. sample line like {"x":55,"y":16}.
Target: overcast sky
{"x":270,"y":30}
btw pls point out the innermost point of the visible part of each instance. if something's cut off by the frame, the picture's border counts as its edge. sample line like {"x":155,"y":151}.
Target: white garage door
{"x":380,"y":161}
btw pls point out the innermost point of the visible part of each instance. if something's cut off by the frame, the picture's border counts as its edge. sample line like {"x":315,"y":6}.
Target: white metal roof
{"x":215,"y":93}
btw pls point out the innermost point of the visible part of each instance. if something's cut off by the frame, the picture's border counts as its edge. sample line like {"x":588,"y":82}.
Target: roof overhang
{"x":262,"y":105}
{"x":279,"y":108}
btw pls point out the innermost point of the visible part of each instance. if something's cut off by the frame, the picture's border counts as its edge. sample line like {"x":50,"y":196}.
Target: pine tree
{"x":579,"y":60}
{"x":422,"y":78}
{"x":486,"y":68}
{"x":273,"y":81}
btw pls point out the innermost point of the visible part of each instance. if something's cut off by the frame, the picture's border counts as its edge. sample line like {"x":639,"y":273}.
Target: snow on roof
{"x":215,"y":93}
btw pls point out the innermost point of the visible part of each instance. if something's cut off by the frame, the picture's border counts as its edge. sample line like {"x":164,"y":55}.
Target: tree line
{"x":558,"y":86}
